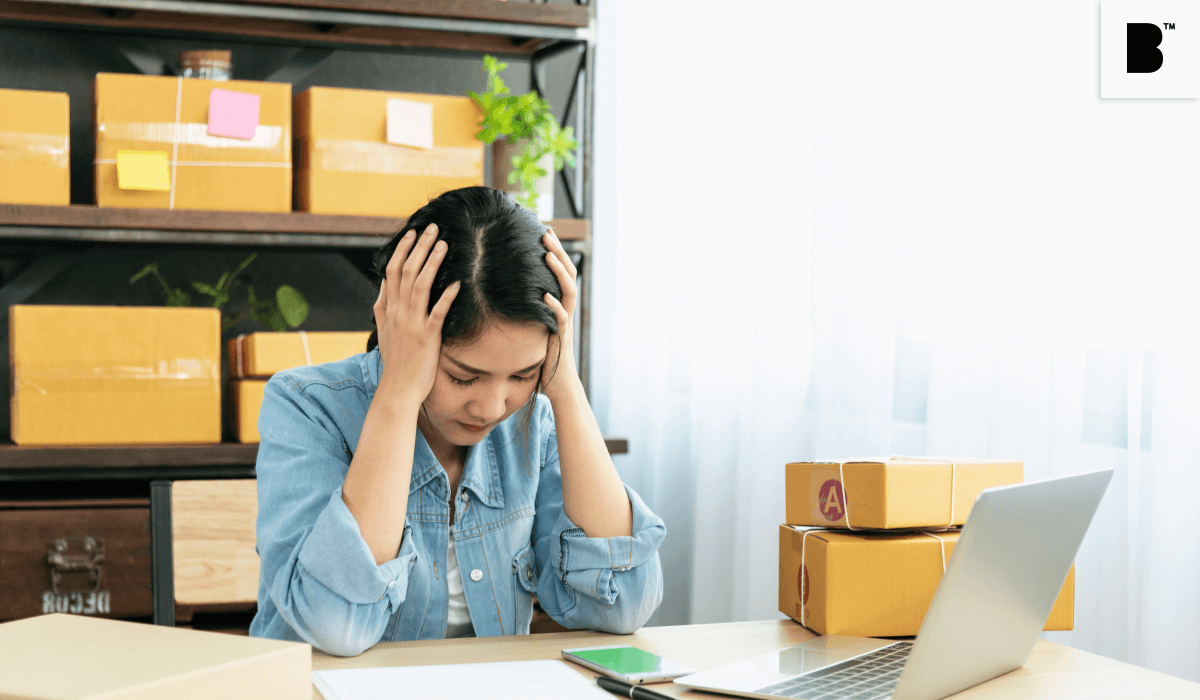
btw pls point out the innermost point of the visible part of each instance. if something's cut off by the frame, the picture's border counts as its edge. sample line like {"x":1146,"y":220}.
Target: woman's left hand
{"x":562,"y":378}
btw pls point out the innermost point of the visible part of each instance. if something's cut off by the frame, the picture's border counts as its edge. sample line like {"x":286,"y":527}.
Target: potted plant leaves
{"x":285,"y":311}
{"x":529,"y":146}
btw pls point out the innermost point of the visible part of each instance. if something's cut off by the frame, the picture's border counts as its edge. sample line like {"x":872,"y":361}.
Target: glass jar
{"x":207,"y":65}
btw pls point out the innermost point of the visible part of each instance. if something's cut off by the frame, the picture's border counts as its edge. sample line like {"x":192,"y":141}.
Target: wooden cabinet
{"x":87,"y":557}
{"x":215,"y":564}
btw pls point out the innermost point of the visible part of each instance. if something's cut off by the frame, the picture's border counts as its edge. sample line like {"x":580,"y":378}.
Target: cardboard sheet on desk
{"x":504,"y":680}
{"x":73,"y":657}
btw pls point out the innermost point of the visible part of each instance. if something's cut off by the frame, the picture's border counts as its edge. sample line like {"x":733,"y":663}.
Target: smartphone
{"x":627,"y":663}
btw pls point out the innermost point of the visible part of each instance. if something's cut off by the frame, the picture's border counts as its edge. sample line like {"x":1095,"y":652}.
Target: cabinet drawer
{"x":216,"y":566}
{"x":82,"y":557}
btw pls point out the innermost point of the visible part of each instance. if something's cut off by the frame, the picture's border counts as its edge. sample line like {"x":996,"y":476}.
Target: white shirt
{"x":458,"y":618}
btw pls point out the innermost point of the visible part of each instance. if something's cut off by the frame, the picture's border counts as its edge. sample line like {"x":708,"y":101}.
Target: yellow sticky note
{"x":143,"y":170}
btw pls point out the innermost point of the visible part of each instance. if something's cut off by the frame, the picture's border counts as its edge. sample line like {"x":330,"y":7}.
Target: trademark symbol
{"x":1169,"y":25}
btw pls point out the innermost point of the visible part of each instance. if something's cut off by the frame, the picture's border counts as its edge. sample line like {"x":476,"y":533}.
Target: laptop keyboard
{"x":869,"y":677}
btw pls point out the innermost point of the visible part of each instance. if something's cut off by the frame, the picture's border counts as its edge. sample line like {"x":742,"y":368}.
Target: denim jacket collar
{"x":481,"y":473}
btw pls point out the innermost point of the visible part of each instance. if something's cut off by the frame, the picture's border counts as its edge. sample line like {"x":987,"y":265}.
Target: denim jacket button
{"x":476,"y":575}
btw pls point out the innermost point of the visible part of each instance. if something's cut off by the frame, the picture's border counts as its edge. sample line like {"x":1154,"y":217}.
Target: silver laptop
{"x":1001,"y":581}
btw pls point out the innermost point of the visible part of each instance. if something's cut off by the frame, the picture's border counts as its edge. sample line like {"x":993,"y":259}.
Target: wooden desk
{"x":1053,"y":671}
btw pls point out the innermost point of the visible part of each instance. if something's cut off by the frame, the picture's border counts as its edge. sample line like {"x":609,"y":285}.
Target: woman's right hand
{"x":410,"y":338}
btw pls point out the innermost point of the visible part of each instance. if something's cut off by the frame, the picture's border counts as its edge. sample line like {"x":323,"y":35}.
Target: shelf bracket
{"x":28,"y":281}
{"x":295,"y":68}
{"x":145,"y":60}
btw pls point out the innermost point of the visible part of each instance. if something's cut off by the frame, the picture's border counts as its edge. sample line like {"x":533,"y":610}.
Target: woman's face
{"x":481,"y":383}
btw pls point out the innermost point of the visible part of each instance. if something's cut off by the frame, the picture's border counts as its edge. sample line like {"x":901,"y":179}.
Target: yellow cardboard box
{"x":264,"y":354}
{"x":72,"y":657}
{"x":114,"y":375}
{"x":35,"y":147}
{"x":876,"y":584}
{"x":896,"y":492}
{"x":244,"y":399}
{"x":344,"y":164}
{"x":154,"y":114}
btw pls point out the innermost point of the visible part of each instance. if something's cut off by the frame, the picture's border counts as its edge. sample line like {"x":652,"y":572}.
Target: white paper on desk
{"x":507,"y":680}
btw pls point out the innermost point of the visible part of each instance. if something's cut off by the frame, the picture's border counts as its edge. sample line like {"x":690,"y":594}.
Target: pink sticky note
{"x":232,"y":114}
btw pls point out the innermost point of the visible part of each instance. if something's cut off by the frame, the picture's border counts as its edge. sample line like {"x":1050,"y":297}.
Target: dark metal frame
{"x":581,"y":251}
{"x":339,"y":17}
{"x":162,"y":554}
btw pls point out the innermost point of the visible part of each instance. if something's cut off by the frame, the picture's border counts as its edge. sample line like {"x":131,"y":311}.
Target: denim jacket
{"x":319,"y":582}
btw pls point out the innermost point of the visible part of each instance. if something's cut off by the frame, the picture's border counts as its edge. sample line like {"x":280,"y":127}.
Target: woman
{"x":431,"y":486}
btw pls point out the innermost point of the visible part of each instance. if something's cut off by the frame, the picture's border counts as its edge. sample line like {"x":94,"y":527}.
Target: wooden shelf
{"x":474,"y":26}
{"x":84,"y":223}
{"x":222,"y":454}
{"x":225,"y":454}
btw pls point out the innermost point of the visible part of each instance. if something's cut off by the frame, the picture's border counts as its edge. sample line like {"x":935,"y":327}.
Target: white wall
{"x":884,"y":181}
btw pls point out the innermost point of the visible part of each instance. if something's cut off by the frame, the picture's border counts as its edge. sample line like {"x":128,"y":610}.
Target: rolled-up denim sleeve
{"x":611,"y":584}
{"x":317,"y":570}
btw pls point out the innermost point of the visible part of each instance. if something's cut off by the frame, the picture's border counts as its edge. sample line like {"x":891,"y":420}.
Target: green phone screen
{"x":624,"y":660}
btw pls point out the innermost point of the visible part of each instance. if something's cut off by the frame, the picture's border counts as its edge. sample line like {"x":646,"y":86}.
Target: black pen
{"x":626,"y":690}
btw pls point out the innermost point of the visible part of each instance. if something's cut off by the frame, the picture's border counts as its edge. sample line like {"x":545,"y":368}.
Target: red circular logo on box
{"x":831,"y":500}
{"x":802,"y":584}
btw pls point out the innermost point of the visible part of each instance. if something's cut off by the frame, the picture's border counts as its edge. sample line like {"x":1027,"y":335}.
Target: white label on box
{"x":409,"y":123}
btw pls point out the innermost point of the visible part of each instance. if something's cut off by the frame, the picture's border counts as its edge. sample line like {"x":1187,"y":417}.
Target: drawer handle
{"x":91,"y":561}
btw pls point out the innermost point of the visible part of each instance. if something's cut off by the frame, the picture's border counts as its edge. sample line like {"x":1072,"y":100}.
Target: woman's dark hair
{"x":494,"y":248}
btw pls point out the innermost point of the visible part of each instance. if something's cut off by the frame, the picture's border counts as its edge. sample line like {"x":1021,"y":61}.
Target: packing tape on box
{"x":18,"y":147}
{"x":846,"y":494}
{"x":266,"y":138}
{"x":271,"y":140}
{"x":237,"y":344}
{"x":804,"y":565}
{"x":346,"y":155}
{"x":177,"y":372}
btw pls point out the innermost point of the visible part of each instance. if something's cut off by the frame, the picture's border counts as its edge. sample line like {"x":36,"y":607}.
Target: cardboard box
{"x":70,"y":657}
{"x":892,"y":493}
{"x":114,"y":375}
{"x":244,"y":399}
{"x":876,"y":584}
{"x":345,"y":165}
{"x":264,"y":354}
{"x":35,"y":147}
{"x":153,"y":114}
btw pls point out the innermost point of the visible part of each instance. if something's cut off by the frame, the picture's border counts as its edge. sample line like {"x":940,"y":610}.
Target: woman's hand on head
{"x":560,"y":357}
{"x":410,"y":337}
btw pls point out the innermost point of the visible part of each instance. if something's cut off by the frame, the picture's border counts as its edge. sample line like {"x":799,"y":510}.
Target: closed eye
{"x":461,"y":382}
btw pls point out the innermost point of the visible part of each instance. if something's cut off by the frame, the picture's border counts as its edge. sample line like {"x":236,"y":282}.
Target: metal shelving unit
{"x":534,"y":31}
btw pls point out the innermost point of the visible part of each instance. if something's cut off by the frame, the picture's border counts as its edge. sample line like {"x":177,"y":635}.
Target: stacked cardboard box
{"x":382,"y":153}
{"x":35,"y":147}
{"x":885,"y":530}
{"x":254,"y":357}
{"x":114,"y":375}
{"x":186,"y":143}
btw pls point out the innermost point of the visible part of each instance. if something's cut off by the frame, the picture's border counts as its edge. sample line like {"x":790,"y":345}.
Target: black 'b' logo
{"x":1141,"y":48}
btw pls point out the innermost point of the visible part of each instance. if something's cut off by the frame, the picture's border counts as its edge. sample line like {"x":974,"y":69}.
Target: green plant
{"x":288,"y":309}
{"x":519,"y":117}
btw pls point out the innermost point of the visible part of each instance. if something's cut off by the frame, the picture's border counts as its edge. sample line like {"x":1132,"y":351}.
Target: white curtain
{"x":840,"y":228}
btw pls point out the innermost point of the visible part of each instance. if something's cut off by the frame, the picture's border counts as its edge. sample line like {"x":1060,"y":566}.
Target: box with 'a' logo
{"x":890,"y":493}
